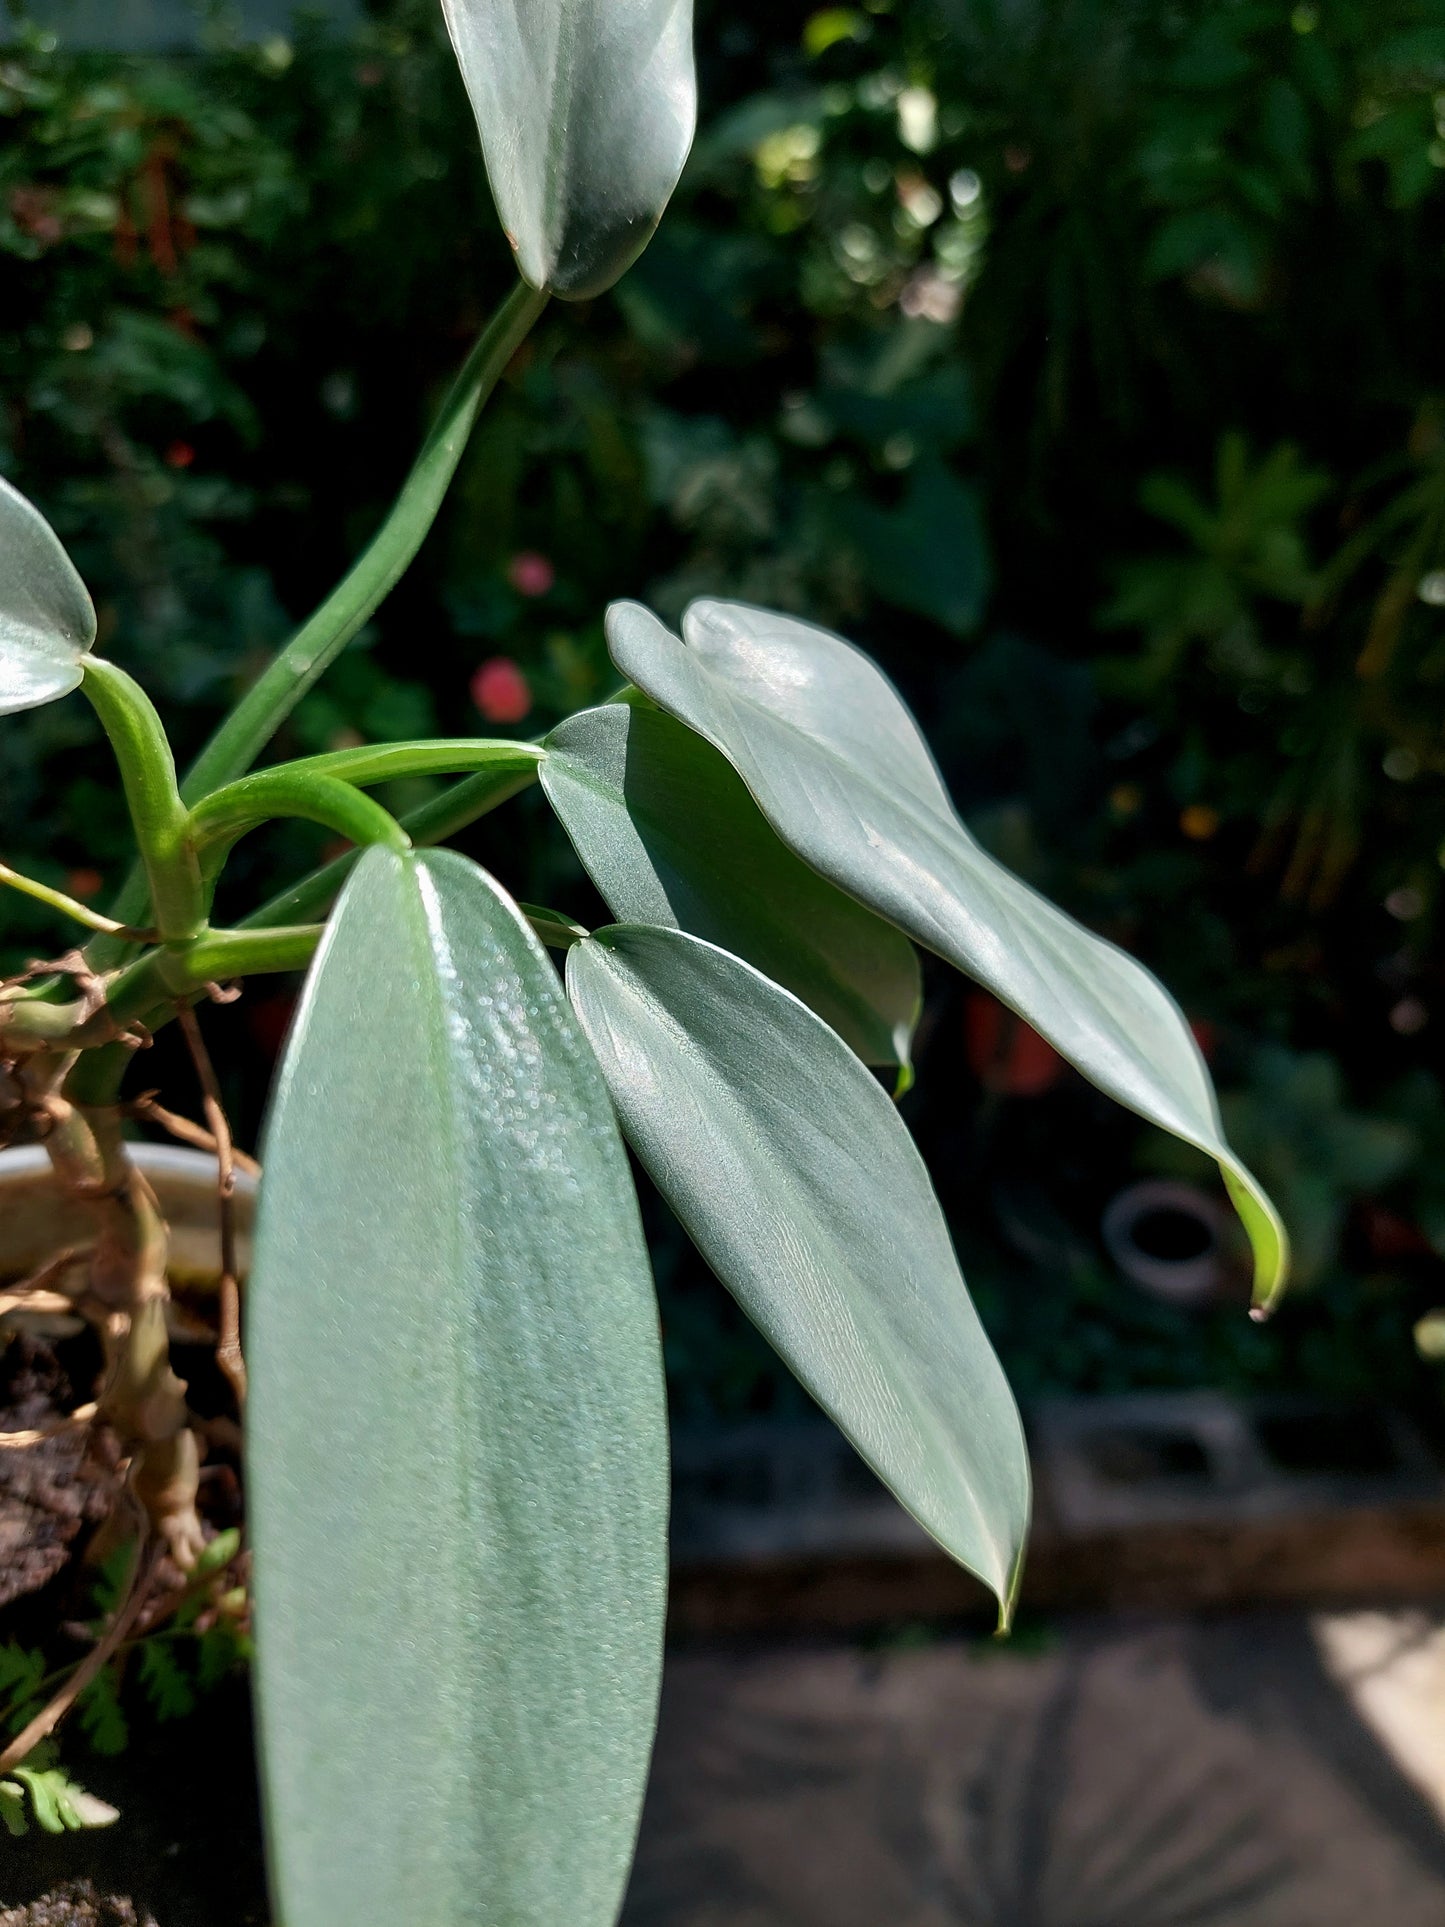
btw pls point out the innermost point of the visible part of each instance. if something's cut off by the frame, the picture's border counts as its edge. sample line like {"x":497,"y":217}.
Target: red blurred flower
{"x":180,"y":455}
{"x":500,"y":690}
{"x":1004,"y":1053}
{"x":35,"y":210}
{"x":531,"y":574}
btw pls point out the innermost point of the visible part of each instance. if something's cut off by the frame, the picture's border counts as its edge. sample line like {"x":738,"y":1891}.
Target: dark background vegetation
{"x":1083,"y":359}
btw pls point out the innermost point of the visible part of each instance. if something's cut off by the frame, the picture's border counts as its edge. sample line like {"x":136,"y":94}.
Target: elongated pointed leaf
{"x":838,"y":767}
{"x":47,"y":624}
{"x":670,"y":836}
{"x":797,"y":1180}
{"x":586,"y":110}
{"x":456,"y":1432}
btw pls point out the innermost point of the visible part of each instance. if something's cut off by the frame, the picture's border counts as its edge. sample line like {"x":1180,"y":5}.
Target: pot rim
{"x":180,"y":1163}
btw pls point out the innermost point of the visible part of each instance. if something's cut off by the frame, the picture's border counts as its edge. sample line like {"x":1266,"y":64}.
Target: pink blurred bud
{"x":500,"y":690}
{"x":531,"y":574}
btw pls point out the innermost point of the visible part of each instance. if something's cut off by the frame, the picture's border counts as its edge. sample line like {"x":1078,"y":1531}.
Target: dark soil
{"x":77,"y":1904}
{"x":186,"y":1850}
{"x":187,"y":1845}
{"x":50,"y":1489}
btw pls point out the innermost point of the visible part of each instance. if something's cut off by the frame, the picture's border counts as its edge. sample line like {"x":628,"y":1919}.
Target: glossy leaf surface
{"x":456,"y":1434}
{"x":670,"y":836}
{"x":797,"y":1180}
{"x":838,"y":767}
{"x":586,"y":110}
{"x":47,"y":624}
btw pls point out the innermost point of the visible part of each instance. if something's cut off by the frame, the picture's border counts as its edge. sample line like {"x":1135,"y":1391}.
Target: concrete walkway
{"x":1255,"y":1771}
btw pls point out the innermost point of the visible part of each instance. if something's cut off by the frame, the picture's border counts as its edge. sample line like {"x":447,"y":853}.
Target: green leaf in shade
{"x":837,"y":765}
{"x":47,"y":624}
{"x":456,"y":1436}
{"x":670,"y":836}
{"x":930,"y":553}
{"x":586,"y":110}
{"x":798,"y":1182}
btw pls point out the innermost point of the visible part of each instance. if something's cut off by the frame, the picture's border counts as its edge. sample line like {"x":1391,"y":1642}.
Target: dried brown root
{"x":185,"y":1130}
{"x":126,"y":1298}
{"x":78,"y":1420}
{"x":228,"y":1344}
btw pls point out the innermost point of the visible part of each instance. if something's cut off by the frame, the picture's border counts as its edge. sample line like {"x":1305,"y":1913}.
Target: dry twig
{"x":49,"y":1274}
{"x":37,"y":1435}
{"x":148,"y":1558}
{"x":186,"y":1131}
{"x":228,"y":1343}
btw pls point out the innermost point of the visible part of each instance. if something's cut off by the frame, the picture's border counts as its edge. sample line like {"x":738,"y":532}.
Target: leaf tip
{"x":1008,"y":1598}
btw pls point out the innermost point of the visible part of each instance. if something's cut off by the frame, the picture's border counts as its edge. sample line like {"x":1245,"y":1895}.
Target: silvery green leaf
{"x":457,"y":1442}
{"x":837,"y":765}
{"x":586,"y":110}
{"x":670,"y":836}
{"x":796,"y":1178}
{"x":47,"y":624}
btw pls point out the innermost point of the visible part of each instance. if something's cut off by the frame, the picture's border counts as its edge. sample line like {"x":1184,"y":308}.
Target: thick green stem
{"x":145,"y":992}
{"x":148,"y":776}
{"x":222,"y":954}
{"x":150,"y":990}
{"x":32,"y":1021}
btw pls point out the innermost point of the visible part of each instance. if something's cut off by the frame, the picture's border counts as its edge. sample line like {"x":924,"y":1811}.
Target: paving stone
{"x":1172,"y":1774}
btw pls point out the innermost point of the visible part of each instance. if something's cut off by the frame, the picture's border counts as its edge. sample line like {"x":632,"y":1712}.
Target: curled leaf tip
{"x":586,"y":111}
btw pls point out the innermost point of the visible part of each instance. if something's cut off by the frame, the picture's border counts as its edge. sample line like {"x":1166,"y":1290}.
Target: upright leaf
{"x":795,"y":1177}
{"x":670,"y":836}
{"x":837,"y":765}
{"x":456,"y":1432}
{"x":47,"y":624}
{"x":586,"y":110}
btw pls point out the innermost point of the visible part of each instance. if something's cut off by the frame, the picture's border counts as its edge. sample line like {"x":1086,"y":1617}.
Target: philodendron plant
{"x":456,"y":1449}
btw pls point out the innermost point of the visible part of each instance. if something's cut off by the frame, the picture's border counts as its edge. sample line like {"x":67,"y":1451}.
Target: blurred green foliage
{"x":184,"y":1653}
{"x":1082,"y":358}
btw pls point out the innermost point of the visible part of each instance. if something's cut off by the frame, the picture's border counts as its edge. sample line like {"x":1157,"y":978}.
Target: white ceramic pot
{"x":36,"y":1222}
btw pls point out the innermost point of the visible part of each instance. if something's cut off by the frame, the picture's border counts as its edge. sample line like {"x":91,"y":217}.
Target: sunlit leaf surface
{"x":837,"y":765}
{"x":456,"y":1433}
{"x":586,"y":110}
{"x":670,"y":836}
{"x":796,"y":1178}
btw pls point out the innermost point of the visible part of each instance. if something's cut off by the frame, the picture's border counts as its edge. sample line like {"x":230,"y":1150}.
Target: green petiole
{"x":159,"y":817}
{"x":371,"y":763}
{"x":370,"y":579}
{"x":432,"y":822}
{"x":289,"y":790}
{"x":71,"y":907}
{"x":375,"y":573}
